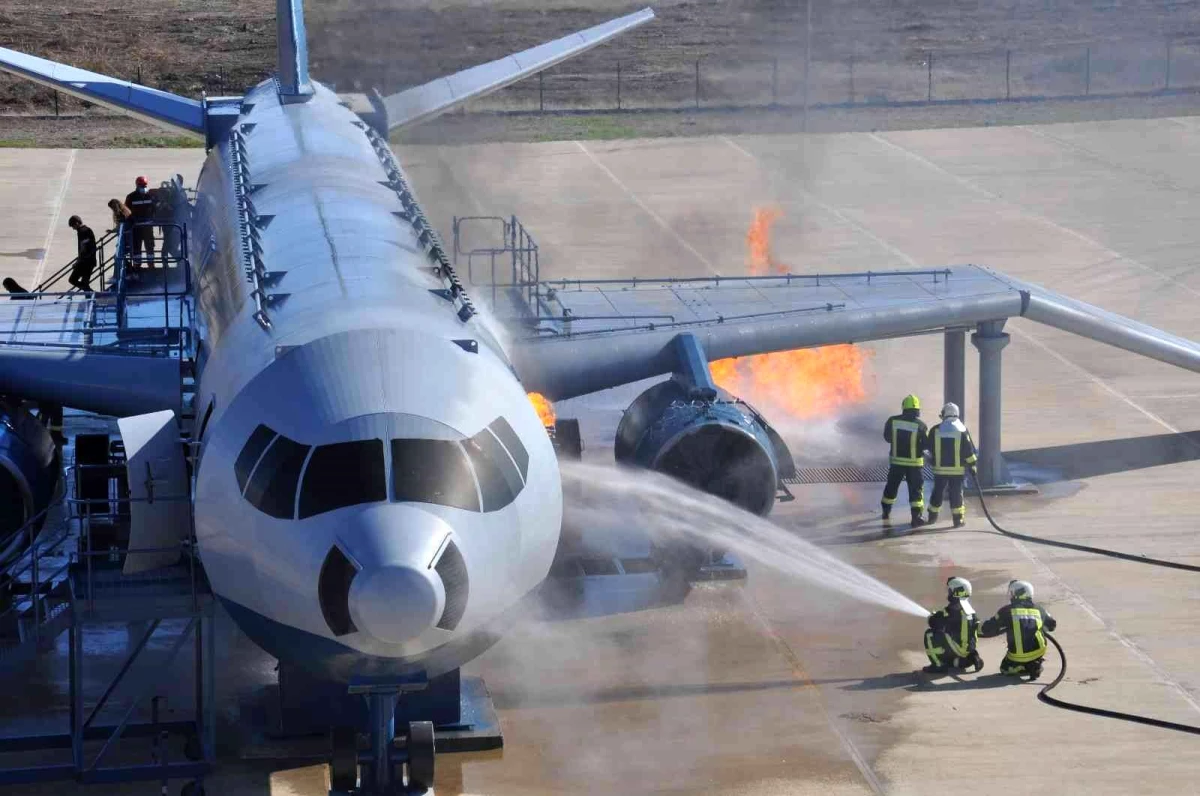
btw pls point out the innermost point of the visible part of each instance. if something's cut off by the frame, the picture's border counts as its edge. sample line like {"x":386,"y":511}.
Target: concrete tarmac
{"x":777,"y":687}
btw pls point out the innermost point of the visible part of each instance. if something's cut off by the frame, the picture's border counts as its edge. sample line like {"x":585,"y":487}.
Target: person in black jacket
{"x":953,"y":632}
{"x":909,"y":439}
{"x":1023,"y":622}
{"x":85,"y":261}
{"x":141,"y":214}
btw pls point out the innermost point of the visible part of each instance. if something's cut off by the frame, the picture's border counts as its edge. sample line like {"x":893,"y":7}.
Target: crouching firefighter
{"x":1023,"y":621}
{"x":953,"y":452}
{"x":908,"y":437}
{"x":953,"y":632}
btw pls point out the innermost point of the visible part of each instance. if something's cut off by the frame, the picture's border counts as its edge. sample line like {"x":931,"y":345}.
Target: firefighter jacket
{"x":141,"y":206}
{"x":959,"y":624}
{"x":1022,"y":622}
{"x":909,"y":439}
{"x":952,"y":447}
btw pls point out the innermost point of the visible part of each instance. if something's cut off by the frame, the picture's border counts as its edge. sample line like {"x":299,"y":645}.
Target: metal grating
{"x":851,"y":474}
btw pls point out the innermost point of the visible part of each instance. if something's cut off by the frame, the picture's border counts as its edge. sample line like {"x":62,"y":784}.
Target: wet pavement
{"x":774,"y":687}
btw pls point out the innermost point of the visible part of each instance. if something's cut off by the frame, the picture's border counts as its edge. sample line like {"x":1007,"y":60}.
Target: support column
{"x":954,"y":371}
{"x":990,"y":340}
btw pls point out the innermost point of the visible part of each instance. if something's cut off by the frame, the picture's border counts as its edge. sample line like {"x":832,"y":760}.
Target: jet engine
{"x":28,"y":473}
{"x":714,"y":442}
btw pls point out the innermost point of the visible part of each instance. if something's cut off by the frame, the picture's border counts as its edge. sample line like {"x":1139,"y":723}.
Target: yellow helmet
{"x":910,"y":402}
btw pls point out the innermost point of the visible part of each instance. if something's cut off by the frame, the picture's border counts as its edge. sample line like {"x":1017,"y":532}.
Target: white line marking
{"x":657,"y":218}
{"x":1074,"y":595}
{"x":62,"y":196}
{"x":1030,"y":213}
{"x":798,"y":670}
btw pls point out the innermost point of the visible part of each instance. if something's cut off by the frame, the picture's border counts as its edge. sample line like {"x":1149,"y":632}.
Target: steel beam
{"x":954,"y":372}
{"x":990,"y":340}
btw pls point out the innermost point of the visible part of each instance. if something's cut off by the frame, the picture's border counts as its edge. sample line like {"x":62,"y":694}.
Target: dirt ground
{"x":707,"y":52}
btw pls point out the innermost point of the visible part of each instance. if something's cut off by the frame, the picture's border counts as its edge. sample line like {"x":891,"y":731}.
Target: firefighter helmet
{"x":910,"y":402}
{"x":1020,"y":590}
{"x":950,"y":410}
{"x":958,"y":587}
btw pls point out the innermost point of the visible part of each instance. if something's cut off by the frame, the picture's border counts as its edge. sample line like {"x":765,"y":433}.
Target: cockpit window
{"x":512,"y":442}
{"x":499,"y":480}
{"x":252,"y":451}
{"x":272,"y":487}
{"x":433,"y":471}
{"x":343,"y":474}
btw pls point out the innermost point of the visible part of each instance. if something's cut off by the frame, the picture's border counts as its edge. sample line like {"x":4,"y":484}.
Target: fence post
{"x":1087,"y":71}
{"x":775,"y":82}
{"x":1167,"y":85}
{"x":929,"y":63}
{"x":55,"y":104}
{"x":697,"y":83}
{"x":1008,"y":74}
{"x":139,"y":77}
{"x":541,"y":91}
{"x":618,"y":85}
{"x":852,"y":80}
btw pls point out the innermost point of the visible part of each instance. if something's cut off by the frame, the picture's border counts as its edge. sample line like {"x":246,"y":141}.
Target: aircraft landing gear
{"x":385,"y":768}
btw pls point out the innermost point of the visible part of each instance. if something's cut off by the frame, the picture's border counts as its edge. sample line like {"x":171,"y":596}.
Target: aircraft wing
{"x":157,"y":107}
{"x":420,"y":103}
{"x":586,"y":336}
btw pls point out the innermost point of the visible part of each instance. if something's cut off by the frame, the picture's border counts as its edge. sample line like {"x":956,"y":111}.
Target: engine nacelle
{"x":28,"y":472}
{"x":721,"y":446}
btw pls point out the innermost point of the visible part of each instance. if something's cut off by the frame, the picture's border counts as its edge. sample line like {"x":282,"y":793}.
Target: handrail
{"x":787,"y":278}
{"x":66,"y":269}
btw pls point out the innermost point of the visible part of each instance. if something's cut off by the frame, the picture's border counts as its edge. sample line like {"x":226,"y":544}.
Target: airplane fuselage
{"x":356,"y":440}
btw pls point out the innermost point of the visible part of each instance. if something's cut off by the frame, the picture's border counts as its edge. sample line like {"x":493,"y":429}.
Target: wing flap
{"x":420,"y":103}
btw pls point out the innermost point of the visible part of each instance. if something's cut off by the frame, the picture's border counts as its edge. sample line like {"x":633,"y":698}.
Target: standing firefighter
{"x":141,"y":213}
{"x":1023,"y":621}
{"x":953,"y":632}
{"x":909,"y":441}
{"x":953,"y":452}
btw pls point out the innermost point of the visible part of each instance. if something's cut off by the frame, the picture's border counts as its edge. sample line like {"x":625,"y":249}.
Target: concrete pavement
{"x":777,"y":687}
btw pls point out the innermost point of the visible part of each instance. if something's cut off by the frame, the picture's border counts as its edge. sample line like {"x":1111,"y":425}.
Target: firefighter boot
{"x":958,"y":520}
{"x":933,"y":515}
{"x":917,"y":520}
{"x":887,"y":511}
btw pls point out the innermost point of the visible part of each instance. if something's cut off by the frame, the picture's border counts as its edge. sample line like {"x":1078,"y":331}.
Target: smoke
{"x":612,"y":500}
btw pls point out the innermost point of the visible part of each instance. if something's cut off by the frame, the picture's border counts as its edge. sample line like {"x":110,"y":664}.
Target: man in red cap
{"x":141,"y":215}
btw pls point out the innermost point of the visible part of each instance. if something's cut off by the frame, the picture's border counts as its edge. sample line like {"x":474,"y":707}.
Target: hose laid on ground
{"x":1044,"y":694}
{"x":1100,"y":551}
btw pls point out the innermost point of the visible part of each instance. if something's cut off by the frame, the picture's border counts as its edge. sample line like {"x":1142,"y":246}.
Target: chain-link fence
{"x":1098,"y":69}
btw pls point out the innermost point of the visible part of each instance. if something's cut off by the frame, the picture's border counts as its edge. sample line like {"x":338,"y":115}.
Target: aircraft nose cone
{"x":394,"y":603}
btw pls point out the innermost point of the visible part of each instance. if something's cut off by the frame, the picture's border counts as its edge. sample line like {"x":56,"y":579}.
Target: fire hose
{"x":1044,"y":694}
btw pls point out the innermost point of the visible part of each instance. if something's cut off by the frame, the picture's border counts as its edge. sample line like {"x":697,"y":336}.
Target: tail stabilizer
{"x":292,"y":55}
{"x":162,"y":108}
{"x":420,"y":103}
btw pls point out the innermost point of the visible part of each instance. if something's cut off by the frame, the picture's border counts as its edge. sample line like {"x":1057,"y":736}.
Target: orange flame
{"x":758,"y":242}
{"x":808,"y":383}
{"x":544,"y":408}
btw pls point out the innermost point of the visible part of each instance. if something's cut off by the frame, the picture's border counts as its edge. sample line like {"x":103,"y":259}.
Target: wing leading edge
{"x":747,"y":316}
{"x":420,"y":103}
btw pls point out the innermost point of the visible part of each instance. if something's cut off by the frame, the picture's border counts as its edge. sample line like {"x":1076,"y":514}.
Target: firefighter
{"x":909,"y":440}
{"x":1023,"y":621}
{"x":953,"y":632}
{"x":85,"y":261}
{"x":953,"y":452}
{"x":141,"y":214}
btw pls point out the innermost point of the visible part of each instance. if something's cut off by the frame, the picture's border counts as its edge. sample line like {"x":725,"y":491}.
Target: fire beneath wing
{"x":808,"y":383}
{"x":544,"y":408}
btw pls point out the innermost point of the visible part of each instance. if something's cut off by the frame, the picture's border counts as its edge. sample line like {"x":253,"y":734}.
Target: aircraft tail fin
{"x":148,"y":104}
{"x":294,"y":84}
{"x":420,"y":103}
